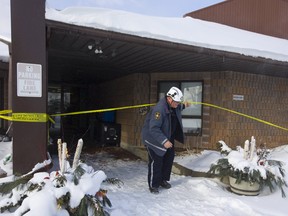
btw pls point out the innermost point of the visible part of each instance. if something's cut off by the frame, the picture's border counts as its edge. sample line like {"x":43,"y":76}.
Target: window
{"x":192,"y":114}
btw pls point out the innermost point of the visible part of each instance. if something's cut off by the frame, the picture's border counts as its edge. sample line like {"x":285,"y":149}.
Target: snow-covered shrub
{"x":75,"y":192}
{"x":249,"y":164}
{"x":71,"y":191}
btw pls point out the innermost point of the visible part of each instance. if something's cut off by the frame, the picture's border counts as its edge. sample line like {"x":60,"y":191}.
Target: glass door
{"x":66,"y":99}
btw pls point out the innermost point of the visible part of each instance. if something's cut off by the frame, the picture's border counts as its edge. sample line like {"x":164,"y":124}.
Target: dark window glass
{"x":192,"y":95}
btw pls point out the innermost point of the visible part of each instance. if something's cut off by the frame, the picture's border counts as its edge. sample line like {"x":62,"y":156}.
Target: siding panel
{"x":269,"y":17}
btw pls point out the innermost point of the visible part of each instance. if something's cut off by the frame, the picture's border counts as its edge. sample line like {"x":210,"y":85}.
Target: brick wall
{"x":265,"y":97}
{"x":126,"y":91}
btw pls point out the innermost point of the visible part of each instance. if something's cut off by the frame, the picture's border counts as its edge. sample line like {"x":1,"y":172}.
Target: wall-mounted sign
{"x":238,"y":97}
{"x":29,"y":80}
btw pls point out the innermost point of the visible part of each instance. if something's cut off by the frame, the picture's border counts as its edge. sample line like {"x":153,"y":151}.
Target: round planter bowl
{"x":244,"y":187}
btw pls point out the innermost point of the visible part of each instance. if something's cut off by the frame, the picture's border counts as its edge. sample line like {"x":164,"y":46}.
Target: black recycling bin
{"x":109,"y":134}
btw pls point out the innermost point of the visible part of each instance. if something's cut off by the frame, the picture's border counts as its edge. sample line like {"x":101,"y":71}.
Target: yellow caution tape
{"x":25,"y":117}
{"x":30,"y":117}
{"x":43,"y":117}
{"x":3,"y":112}
{"x":8,"y":118}
{"x":102,"y":110}
{"x":241,"y":114}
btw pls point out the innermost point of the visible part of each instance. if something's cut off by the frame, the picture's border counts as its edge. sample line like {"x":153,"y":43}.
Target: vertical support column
{"x":29,"y":82}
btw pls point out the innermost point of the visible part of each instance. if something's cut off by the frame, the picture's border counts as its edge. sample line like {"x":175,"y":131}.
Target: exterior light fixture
{"x":98,"y":50}
{"x":90,"y":47}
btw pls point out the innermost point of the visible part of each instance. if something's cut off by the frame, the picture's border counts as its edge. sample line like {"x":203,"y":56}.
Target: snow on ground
{"x":189,"y":196}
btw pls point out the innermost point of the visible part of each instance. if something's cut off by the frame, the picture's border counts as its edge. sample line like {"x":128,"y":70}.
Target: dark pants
{"x":159,"y":168}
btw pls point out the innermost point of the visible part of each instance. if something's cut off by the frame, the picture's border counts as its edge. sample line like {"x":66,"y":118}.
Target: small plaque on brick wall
{"x":238,"y":97}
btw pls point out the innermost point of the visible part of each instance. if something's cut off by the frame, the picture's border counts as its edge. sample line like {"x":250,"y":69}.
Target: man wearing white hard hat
{"x":163,"y":125}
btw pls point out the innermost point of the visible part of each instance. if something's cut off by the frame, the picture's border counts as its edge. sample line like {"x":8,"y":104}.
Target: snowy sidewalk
{"x":189,"y":196}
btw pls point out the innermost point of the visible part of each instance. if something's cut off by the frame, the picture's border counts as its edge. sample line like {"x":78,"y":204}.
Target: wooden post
{"x":63,"y":167}
{"x":77,"y":154}
{"x":29,"y":82}
{"x":59,"y":143}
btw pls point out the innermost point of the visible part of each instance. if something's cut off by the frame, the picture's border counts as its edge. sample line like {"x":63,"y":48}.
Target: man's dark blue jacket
{"x":157,"y":127}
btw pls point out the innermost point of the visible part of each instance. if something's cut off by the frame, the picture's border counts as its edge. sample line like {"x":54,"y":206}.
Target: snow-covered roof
{"x":187,"y":31}
{"x":4,"y":49}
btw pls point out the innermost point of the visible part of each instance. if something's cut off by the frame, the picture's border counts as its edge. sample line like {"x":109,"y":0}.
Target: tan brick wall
{"x":126,"y":91}
{"x":265,"y":97}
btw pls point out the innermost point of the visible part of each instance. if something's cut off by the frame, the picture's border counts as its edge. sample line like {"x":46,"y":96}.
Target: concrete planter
{"x":244,"y":187}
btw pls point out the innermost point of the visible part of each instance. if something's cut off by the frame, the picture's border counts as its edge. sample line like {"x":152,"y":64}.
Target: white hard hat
{"x":176,"y":94}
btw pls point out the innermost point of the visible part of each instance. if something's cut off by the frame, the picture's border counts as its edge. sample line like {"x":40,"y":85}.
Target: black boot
{"x":165,"y":185}
{"x":154,"y":190}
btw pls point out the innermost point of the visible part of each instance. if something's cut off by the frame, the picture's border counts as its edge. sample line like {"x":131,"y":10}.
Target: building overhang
{"x":72,"y":58}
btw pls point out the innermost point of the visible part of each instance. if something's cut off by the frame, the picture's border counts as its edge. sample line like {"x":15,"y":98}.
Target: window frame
{"x":164,"y":86}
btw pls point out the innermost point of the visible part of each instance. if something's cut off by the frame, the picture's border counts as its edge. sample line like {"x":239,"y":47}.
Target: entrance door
{"x":66,"y":99}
